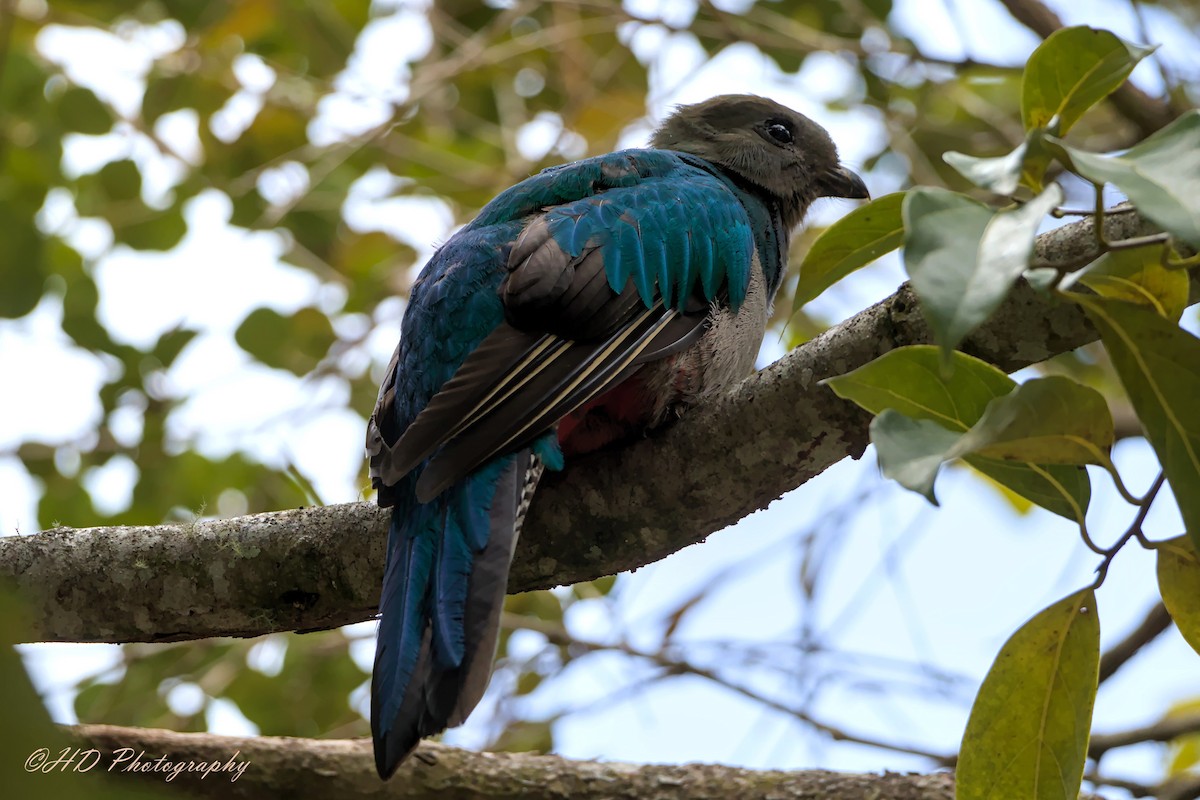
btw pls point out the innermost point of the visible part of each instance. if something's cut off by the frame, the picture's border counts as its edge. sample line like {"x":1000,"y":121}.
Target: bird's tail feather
{"x":442,"y":596}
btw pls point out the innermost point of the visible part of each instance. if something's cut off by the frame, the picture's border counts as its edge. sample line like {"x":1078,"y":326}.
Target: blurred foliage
{"x":445,"y":126}
{"x":449,"y":131}
{"x":258,"y":676}
{"x":41,"y":763}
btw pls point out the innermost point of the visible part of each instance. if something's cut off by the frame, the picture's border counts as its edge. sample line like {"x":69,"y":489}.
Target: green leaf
{"x":294,"y":343}
{"x":942,"y":232}
{"x":963,"y":258}
{"x":171,"y":344}
{"x":1159,"y":364}
{"x":527,"y":682}
{"x":166,"y":92}
{"x":1026,"y":165}
{"x":80,"y":110}
{"x":1008,"y":243}
{"x":248,"y":208}
{"x":1071,"y":71}
{"x":589,"y":590}
{"x":854,"y":241}
{"x":1028,"y":732}
{"x":156,"y":231}
{"x":1161,"y":175}
{"x":121,"y":180}
{"x":911,"y":380}
{"x":1179,"y":584}
{"x":21,"y":266}
{"x":1053,"y":420}
{"x":1058,"y":488}
{"x":999,"y":174}
{"x":543,"y":605}
{"x":1049,"y":420}
{"x":911,"y":451}
{"x":1136,"y":275}
{"x":1183,"y":752}
{"x":524,"y":736}
{"x":1037,"y":159}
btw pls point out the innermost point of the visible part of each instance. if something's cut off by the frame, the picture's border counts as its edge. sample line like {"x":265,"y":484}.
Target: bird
{"x":587,"y":304}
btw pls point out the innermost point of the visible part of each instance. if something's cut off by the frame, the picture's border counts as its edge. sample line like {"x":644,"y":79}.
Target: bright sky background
{"x":940,"y":587}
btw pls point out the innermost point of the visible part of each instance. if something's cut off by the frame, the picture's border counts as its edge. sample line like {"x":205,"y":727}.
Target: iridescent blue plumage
{"x":538,"y":309}
{"x":694,"y":221}
{"x":668,"y":221}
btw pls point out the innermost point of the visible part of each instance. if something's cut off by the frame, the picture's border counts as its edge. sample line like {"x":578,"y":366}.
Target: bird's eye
{"x":780,"y":132}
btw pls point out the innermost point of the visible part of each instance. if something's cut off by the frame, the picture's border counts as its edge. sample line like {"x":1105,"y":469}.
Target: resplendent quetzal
{"x":581,"y":306}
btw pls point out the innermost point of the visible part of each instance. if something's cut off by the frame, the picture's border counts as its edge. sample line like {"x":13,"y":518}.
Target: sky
{"x":903,"y":583}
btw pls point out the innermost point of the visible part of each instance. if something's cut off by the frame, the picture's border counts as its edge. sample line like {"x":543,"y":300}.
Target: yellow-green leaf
{"x":1179,"y":584}
{"x":1137,"y":276}
{"x":1028,"y":732}
{"x":1071,"y":71}
{"x":1159,"y":365}
{"x":912,"y":381}
{"x":1059,"y":488}
{"x":854,"y":241}
{"x":1053,"y":420}
{"x":1049,"y":421}
{"x":1183,"y":752}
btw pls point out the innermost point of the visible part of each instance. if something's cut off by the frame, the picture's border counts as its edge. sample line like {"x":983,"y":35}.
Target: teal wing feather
{"x":673,"y":234}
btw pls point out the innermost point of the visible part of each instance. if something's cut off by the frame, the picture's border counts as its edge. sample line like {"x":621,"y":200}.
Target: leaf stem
{"x":1179,"y":263}
{"x":1098,"y":228}
{"x":1059,"y":213}
{"x":1111,"y":468}
{"x":1133,"y":531}
{"x":1089,"y":541}
{"x":1139,"y":241}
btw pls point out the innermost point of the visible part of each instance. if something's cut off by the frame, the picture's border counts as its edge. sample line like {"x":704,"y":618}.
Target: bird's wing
{"x":590,"y":288}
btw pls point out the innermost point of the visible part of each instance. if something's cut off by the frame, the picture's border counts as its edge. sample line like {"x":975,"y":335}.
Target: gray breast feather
{"x":724,"y":355}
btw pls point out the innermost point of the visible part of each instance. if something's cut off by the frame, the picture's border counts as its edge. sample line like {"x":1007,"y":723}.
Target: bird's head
{"x":780,"y":152}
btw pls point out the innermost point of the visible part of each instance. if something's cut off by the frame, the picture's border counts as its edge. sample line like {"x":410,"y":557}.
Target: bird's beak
{"x":841,"y":182}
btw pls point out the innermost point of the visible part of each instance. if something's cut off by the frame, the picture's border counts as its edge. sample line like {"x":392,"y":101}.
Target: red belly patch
{"x":613,"y":416}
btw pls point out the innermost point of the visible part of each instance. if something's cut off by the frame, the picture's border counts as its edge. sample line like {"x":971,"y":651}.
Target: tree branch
{"x":1164,"y":730}
{"x":613,"y":511}
{"x":1156,"y":622}
{"x":344,"y":768}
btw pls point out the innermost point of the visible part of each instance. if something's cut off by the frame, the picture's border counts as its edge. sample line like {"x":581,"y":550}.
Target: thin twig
{"x":1133,"y":531}
{"x":1143,"y":31}
{"x":673,"y":665}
